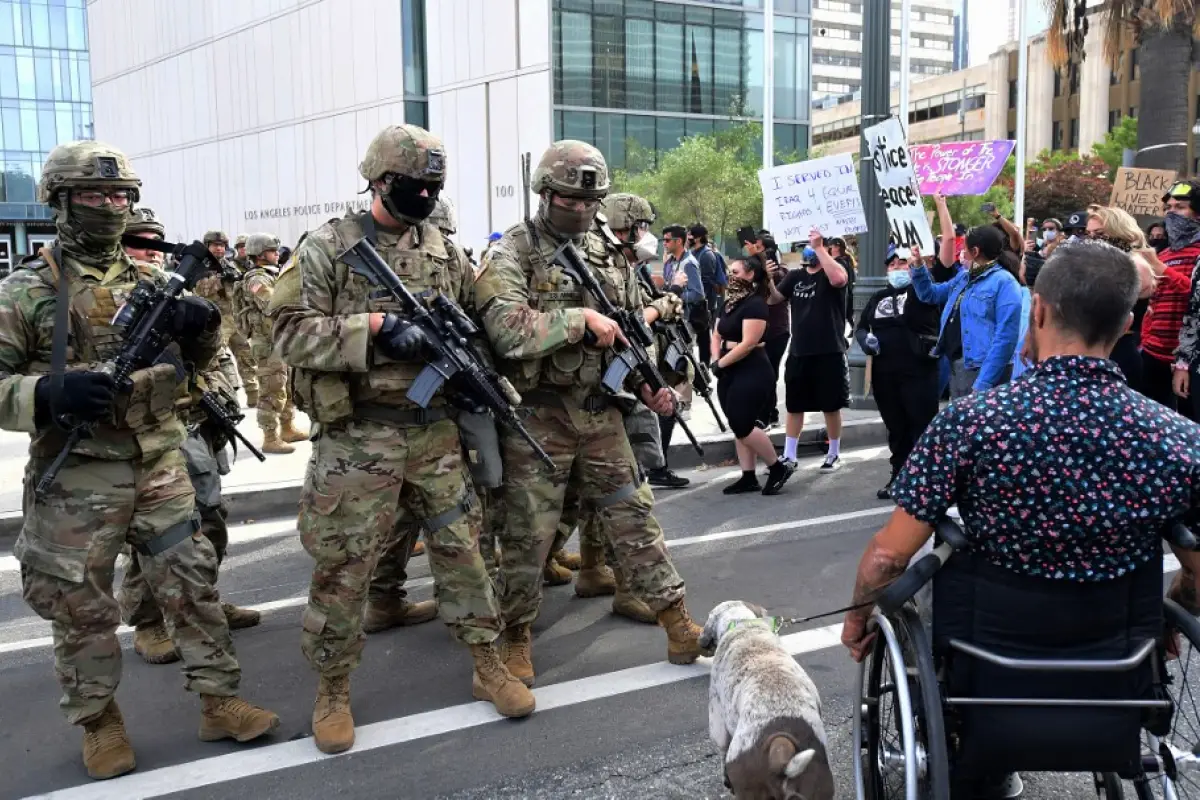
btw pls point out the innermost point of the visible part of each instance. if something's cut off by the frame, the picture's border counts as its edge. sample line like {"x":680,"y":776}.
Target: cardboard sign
{"x":955,"y":168}
{"x":1140,"y":191}
{"x":821,"y":194}
{"x":898,"y":186}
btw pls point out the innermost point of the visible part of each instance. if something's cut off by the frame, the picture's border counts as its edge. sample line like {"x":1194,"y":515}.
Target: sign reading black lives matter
{"x":898,"y":185}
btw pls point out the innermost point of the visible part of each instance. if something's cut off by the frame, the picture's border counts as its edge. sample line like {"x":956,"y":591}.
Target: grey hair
{"x":1092,"y":287}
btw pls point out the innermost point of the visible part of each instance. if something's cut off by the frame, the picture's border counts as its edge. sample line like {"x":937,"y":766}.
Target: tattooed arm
{"x":885,"y":559}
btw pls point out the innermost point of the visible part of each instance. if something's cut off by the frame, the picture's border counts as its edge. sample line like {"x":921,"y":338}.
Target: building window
{"x":1058,"y":83}
{"x":1073,"y":72}
{"x":1114,"y":118}
{"x":1134,"y":69}
{"x":412,"y":18}
{"x":1012,"y":135}
{"x":1114,"y":75}
{"x":1056,"y":136}
{"x":1012,"y":94}
{"x":1133,"y":111}
{"x":1074,"y":143}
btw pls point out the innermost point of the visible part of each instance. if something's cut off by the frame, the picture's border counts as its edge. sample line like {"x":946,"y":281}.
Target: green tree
{"x":710,"y":178}
{"x":1121,"y":138}
{"x":1061,"y":182}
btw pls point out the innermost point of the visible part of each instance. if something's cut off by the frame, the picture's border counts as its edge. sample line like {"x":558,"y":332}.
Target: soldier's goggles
{"x":95,"y":198}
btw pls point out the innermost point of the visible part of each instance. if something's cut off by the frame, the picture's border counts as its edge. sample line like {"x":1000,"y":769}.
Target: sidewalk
{"x":256,"y":490}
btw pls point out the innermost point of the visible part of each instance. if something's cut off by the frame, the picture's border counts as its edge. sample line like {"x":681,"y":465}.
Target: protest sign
{"x":821,"y":194}
{"x":1140,"y":191}
{"x":898,"y":186}
{"x":955,"y":168}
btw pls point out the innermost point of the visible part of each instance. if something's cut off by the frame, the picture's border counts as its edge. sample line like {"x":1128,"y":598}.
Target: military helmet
{"x":573,"y":169}
{"x":142,"y":221}
{"x":216,"y":237}
{"x":404,"y":150}
{"x":259,"y":243}
{"x":444,"y":216}
{"x":624,"y":211}
{"x":241,"y":240}
{"x":86,"y":164}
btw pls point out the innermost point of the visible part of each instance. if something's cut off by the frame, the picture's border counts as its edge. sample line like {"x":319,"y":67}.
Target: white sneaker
{"x":789,"y":462}
{"x":685,"y":411}
{"x":831,"y":464}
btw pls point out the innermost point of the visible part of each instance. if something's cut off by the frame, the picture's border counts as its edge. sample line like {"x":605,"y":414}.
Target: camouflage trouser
{"x":247,"y":364}
{"x":360,"y":473}
{"x":494,"y":517}
{"x":391,"y":572}
{"x":274,"y":405}
{"x":645,"y":438}
{"x":138,"y":607}
{"x":68,"y":547}
{"x":228,"y":367}
{"x":593,"y":451}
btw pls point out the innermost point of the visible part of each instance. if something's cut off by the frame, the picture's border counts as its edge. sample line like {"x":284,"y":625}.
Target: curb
{"x":266,"y":501}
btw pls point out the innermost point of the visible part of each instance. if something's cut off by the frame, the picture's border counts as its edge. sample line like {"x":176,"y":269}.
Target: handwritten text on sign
{"x":955,"y":168}
{"x":1140,"y":191}
{"x":821,"y":194}
{"x":898,"y":185}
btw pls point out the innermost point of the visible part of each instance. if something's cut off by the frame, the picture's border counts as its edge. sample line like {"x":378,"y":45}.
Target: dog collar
{"x":772,"y":624}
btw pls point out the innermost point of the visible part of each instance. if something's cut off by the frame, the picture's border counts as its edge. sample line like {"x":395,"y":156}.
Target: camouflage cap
{"x":404,"y":150}
{"x":241,"y":240}
{"x":444,"y":216}
{"x":624,"y":211}
{"x":573,"y":169}
{"x":216,"y":237}
{"x":259,"y":243}
{"x":143,"y":220}
{"x":86,"y":164}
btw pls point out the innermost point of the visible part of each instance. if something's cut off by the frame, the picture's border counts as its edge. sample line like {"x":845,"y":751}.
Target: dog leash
{"x":779,"y":623}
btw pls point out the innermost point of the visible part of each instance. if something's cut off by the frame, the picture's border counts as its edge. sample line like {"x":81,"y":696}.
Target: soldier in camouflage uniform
{"x":219,"y":288}
{"x":202,"y":454}
{"x":126,"y":482}
{"x":240,"y":259}
{"x":536,"y":318}
{"x":252,"y":297}
{"x":354,"y":356}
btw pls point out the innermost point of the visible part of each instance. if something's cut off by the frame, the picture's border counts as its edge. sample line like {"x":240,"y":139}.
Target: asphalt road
{"x":614,"y":720}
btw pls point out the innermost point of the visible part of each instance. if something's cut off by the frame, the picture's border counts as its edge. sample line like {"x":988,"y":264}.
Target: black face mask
{"x":405,"y":202}
{"x":1159,"y":243}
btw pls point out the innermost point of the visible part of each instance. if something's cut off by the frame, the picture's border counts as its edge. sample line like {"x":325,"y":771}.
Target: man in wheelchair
{"x":1066,"y":481}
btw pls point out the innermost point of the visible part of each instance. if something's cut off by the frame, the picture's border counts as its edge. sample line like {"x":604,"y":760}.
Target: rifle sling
{"x":62,"y":322}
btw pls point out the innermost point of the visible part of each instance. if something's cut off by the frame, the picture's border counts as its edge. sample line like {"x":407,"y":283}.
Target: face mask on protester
{"x":1049,"y":235}
{"x":1159,"y":243}
{"x":1181,"y":230}
{"x":899,"y":278}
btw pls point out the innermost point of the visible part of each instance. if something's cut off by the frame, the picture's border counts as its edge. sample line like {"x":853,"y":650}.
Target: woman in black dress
{"x":745,"y":375}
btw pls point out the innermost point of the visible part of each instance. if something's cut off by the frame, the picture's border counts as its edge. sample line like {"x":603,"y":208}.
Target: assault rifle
{"x":451,"y":333}
{"x":226,"y":422}
{"x":146,"y":318}
{"x":632,"y":325}
{"x":679,"y":347}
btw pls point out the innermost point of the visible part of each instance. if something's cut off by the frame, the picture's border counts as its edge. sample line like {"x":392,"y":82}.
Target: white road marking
{"x":289,"y":755}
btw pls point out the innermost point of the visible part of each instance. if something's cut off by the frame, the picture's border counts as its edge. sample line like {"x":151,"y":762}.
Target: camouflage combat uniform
{"x":242,"y":368}
{"x":275,"y":409}
{"x":533,"y":315}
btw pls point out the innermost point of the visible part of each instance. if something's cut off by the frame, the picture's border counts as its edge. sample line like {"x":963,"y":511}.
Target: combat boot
{"x":626,"y":605}
{"x":106,"y":749}
{"x":594,"y":578}
{"x":493,"y":682}
{"x":517,"y":651}
{"x":234,"y":718}
{"x":418,"y":549}
{"x":237,"y":617}
{"x":332,"y":724}
{"x":274,"y":445}
{"x":251,"y":398}
{"x":683,"y":635}
{"x":154,"y":645}
{"x":392,"y":612}
{"x":290,"y":433}
{"x":554,"y":574}
{"x":571,"y":561}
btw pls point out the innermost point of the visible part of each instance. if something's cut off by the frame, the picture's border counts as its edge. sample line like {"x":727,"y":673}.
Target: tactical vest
{"x":551,"y":289}
{"x":145,"y":421}
{"x":426,"y":271}
{"x":251,"y":322}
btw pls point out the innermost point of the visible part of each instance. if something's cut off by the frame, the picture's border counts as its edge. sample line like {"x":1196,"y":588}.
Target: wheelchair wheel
{"x":1108,"y":786}
{"x":1179,"y":776}
{"x":899,"y":738}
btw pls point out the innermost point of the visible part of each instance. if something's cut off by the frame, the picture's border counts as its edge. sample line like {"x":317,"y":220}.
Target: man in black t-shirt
{"x":816,"y":376}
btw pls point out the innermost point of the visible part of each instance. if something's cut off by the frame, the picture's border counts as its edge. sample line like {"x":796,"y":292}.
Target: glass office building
{"x":653,"y":72}
{"x":45,"y":98}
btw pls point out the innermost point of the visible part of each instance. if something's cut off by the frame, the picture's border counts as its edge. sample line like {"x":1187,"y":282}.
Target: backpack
{"x":722,"y":276}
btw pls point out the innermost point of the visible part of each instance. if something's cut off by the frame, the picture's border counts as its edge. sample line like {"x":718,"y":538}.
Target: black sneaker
{"x":885,"y":493}
{"x":831,"y":464}
{"x":777,"y":476}
{"x":664,"y":478}
{"x":743,"y":485}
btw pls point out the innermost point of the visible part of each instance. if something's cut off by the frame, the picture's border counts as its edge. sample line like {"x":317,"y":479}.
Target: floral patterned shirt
{"x":1064,"y":473}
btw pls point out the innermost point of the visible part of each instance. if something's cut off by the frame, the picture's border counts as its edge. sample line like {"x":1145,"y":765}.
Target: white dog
{"x":763,"y":710}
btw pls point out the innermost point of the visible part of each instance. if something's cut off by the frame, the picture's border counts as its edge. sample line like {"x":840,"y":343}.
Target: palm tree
{"x":1164,"y":32}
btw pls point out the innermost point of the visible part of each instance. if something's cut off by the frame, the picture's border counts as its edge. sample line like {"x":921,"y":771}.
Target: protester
{"x":1031,"y":265}
{"x":981,"y":314}
{"x":712,"y":266}
{"x":681,"y":275}
{"x":1127,"y":353}
{"x":1182,"y":255}
{"x":1052,"y":236}
{"x":816,"y":376}
{"x":841,"y":254}
{"x":1115,"y":226}
{"x":1076,"y":226}
{"x":778,"y":331}
{"x":899,"y":332}
{"x":1164,"y":377}
{"x":744,"y":374}
{"x":1156,"y":236}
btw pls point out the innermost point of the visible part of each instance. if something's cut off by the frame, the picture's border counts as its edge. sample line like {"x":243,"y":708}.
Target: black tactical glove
{"x":401,"y":340}
{"x":87,"y":396}
{"x":194,"y":316}
{"x":464,"y":401}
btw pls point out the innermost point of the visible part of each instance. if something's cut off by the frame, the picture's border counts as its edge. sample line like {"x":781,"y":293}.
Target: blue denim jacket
{"x":990,"y":313}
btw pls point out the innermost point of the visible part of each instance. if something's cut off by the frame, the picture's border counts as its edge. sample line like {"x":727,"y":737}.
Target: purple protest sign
{"x":958,"y":167}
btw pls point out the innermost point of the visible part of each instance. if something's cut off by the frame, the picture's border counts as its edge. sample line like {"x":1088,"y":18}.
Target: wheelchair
{"x":941,"y":709}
